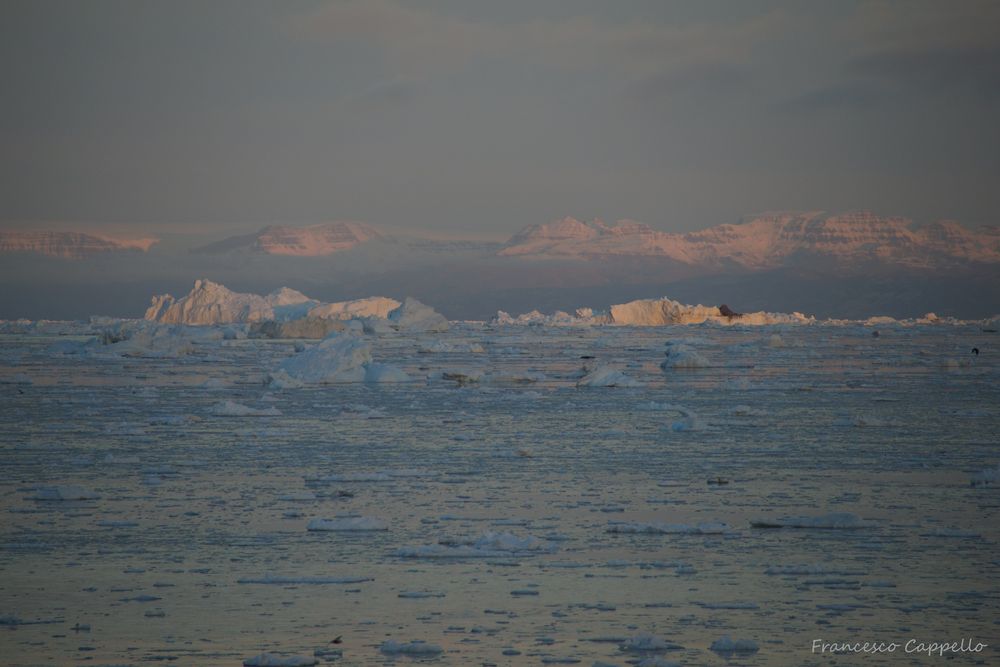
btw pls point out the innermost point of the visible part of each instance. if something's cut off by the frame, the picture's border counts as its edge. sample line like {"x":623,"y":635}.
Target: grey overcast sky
{"x":482,"y":117}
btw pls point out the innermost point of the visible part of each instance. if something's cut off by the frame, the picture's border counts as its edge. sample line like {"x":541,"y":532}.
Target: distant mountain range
{"x":312,"y":241}
{"x":762,"y":242}
{"x":767,"y":241}
{"x":70,"y":245}
{"x":845,"y":265}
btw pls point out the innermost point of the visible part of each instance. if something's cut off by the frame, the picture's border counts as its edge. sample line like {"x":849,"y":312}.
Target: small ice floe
{"x":409,"y":473}
{"x":463,"y":376}
{"x":746,"y":411}
{"x":729,"y":605}
{"x":352,"y":477}
{"x":419,"y":595}
{"x":688,"y":420}
{"x":985,"y":477}
{"x":298,"y":497}
{"x":347,"y":524}
{"x":860,"y":421}
{"x":279,"y":379}
{"x":515,"y":377}
{"x":377,"y":372}
{"x":213,"y":384}
{"x":645,"y":642}
{"x":274,"y":660}
{"x":234,"y":409}
{"x":488,"y":545}
{"x":273,"y":579}
{"x":832,"y":521}
{"x":449,"y":346}
{"x":706,"y":528}
{"x":414,"y":648}
{"x":957,"y":533}
{"x":654,"y":661}
{"x":808,"y":569}
{"x":64,"y":492}
{"x":108,"y":523}
{"x":606,"y":376}
{"x":681,"y":356}
{"x":728,"y":646}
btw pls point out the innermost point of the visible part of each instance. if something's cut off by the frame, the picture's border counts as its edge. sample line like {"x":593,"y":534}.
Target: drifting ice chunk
{"x":375,"y":372}
{"x":272,"y":660}
{"x":985,"y":477}
{"x":415,"y":317}
{"x":279,"y":379}
{"x":835,"y":520}
{"x":647,"y":642}
{"x":285,"y":581}
{"x":680,"y":355}
{"x":354,"y":477}
{"x":605,"y":376}
{"x":797,"y":570}
{"x":655,"y":662}
{"x":709,"y":528}
{"x":415,"y":648}
{"x":66,"y":492}
{"x":233,"y":409}
{"x":727,"y":645}
{"x":337,"y":358}
{"x":348,"y":524}
{"x":488,"y":545}
{"x":417,"y":595}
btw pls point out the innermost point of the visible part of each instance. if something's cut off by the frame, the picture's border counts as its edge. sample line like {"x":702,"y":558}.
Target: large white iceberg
{"x":211,"y":303}
{"x":660,"y":312}
{"x":414,"y":316}
{"x":374,"y":306}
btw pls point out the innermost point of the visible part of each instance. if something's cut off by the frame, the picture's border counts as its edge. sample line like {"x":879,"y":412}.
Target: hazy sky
{"x":482,"y":117}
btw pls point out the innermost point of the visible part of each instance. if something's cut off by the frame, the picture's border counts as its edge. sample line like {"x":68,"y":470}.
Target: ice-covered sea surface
{"x":809,"y":482}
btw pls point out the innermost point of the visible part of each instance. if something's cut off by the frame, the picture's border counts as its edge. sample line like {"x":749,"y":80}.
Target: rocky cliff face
{"x":768,"y":241}
{"x":70,"y":245}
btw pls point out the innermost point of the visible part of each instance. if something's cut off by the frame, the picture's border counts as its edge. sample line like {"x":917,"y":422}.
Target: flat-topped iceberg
{"x":665,"y":311}
{"x":373,"y":306}
{"x":651,"y":312}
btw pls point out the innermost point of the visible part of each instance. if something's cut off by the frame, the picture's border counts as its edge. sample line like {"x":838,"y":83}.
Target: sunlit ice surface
{"x":504,"y":516}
